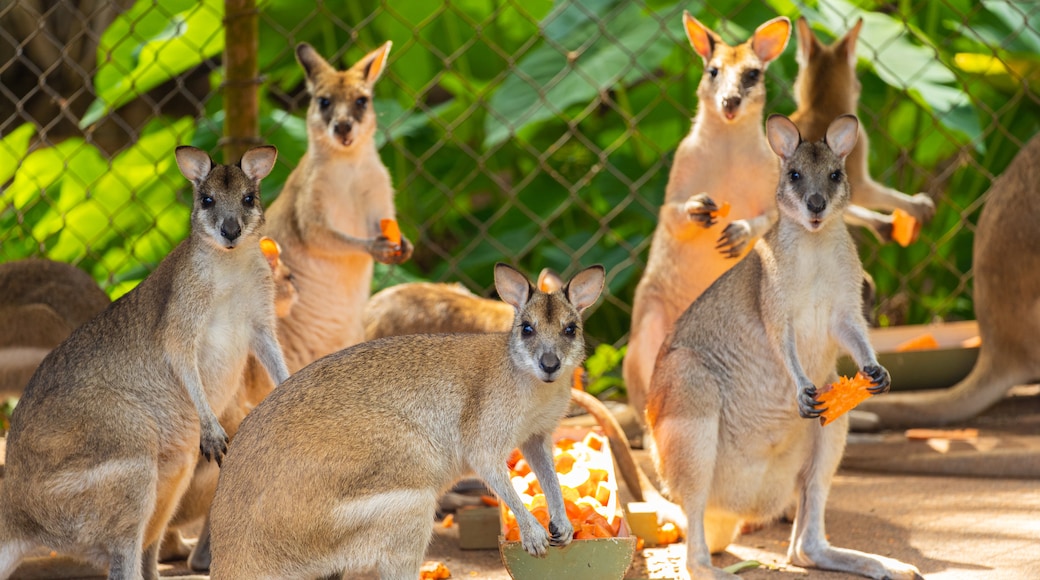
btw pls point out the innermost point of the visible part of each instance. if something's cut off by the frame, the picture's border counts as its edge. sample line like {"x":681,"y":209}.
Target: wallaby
{"x":106,"y":437}
{"x":362,"y":442}
{"x":256,"y":384}
{"x":827,"y":86}
{"x":738,"y":376}
{"x":41,"y":303}
{"x":1007,"y":305}
{"x":725,"y":158}
{"x":327,"y":215}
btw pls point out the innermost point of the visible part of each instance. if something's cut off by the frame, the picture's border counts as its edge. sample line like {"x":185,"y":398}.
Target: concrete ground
{"x":956,"y":509}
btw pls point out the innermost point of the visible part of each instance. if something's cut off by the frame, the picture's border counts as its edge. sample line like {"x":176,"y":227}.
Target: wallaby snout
{"x":816,"y":203}
{"x":230,"y":228}
{"x":342,"y":131}
{"x":550,"y":363}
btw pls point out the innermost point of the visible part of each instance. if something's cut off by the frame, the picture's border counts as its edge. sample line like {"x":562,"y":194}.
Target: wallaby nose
{"x":342,"y":129}
{"x":230,"y":229}
{"x":730,"y":104}
{"x":549,"y":362}
{"x":816,"y":203}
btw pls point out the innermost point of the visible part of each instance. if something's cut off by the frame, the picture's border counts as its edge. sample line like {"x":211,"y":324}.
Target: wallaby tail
{"x":639,"y":485}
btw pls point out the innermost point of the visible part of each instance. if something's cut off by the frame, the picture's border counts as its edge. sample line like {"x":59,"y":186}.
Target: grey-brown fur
{"x":739,"y":373}
{"x":362,"y":442}
{"x":1007,"y":304}
{"x":107,"y":434}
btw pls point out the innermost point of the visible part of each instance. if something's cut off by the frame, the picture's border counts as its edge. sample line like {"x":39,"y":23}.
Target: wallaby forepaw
{"x":560,"y":534}
{"x":734,"y":239}
{"x":880,"y":377}
{"x":387,"y":252}
{"x":924,"y":207}
{"x":701,"y":209}
{"x":535,"y":539}
{"x":808,"y":406}
{"x":214,"y":444}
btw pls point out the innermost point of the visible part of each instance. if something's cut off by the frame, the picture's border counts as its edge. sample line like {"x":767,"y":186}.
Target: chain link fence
{"x":534,"y":132}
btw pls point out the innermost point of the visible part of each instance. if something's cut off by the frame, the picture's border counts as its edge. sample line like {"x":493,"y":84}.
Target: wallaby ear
{"x":848,"y":43}
{"x":783,"y":135}
{"x":311,"y":61}
{"x":842,"y":134}
{"x":513,"y":287}
{"x":807,"y":42}
{"x":259,"y":161}
{"x":701,"y":37}
{"x":194,"y":163}
{"x":584,"y":288}
{"x":271,"y":250}
{"x":549,"y":281}
{"x":770,"y":39}
{"x":372,"y":64}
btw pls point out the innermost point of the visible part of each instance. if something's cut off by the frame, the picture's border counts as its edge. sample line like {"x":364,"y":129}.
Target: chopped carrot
{"x":514,"y":456}
{"x":578,"y":379}
{"x":840,"y":397}
{"x":923,"y":342}
{"x":564,"y":462}
{"x":448,"y":520}
{"x":904,"y":228}
{"x":667,"y":534}
{"x":391,"y":230}
{"x":489,"y":501}
{"x":723,"y":210}
{"x":433,"y":570}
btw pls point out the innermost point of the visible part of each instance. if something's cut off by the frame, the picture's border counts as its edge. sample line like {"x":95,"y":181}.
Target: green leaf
{"x":13,"y":148}
{"x":190,"y":33}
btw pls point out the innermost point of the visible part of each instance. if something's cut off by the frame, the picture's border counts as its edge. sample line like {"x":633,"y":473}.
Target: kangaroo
{"x":1007,"y":305}
{"x":256,"y":384}
{"x":41,"y":303}
{"x":387,"y":426}
{"x":327,"y":215}
{"x":725,"y":158}
{"x":738,"y":375}
{"x":827,"y":86}
{"x":104,"y":441}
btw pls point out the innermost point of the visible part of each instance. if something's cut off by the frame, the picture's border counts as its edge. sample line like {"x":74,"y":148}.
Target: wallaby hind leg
{"x":809,"y":545}
{"x":125,"y":562}
{"x":200,"y":557}
{"x":406,"y":545}
{"x":720,"y":530}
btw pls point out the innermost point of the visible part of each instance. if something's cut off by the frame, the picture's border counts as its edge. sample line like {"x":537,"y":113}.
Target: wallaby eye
{"x":571,"y":329}
{"x":248,"y":200}
{"x":526,"y":329}
{"x":795,"y":176}
{"x":836,"y":176}
{"x":207,"y":201}
{"x":324,"y":102}
{"x":361,"y":102}
{"x":752,"y":75}
{"x":713,"y":71}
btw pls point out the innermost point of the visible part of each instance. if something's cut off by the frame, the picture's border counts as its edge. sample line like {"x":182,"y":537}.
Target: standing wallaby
{"x":41,"y":303}
{"x":827,"y":86}
{"x":1007,"y":303}
{"x":327,"y":216}
{"x":725,"y":158}
{"x":256,"y":384}
{"x":737,"y":377}
{"x":107,"y":435}
{"x":362,"y":442}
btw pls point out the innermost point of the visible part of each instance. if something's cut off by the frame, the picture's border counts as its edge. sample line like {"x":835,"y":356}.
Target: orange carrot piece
{"x":723,"y":210}
{"x":391,"y":230}
{"x":923,"y":342}
{"x":434,"y":570}
{"x":904,"y":228}
{"x":448,"y":520}
{"x":840,"y":397}
{"x":489,"y":501}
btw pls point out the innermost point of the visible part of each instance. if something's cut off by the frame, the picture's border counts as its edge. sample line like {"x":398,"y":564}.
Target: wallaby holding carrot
{"x":827,"y":86}
{"x":106,"y":437}
{"x":724,"y":159}
{"x":737,"y":378}
{"x":362,"y":442}
{"x":328,"y":214}
{"x":41,"y":303}
{"x":1007,"y":304}
{"x":256,"y":384}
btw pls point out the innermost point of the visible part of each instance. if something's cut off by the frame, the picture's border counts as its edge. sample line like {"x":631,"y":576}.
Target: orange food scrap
{"x":923,"y":342}
{"x":578,"y":379}
{"x":448,"y":520}
{"x":489,"y":501}
{"x":514,"y":456}
{"x":723,"y":210}
{"x":391,"y":230}
{"x":904,"y":228}
{"x":667,"y":534}
{"x":840,"y":397}
{"x":434,"y":570}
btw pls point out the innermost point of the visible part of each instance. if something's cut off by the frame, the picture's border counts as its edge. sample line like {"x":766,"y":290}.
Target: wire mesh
{"x":538,"y":133}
